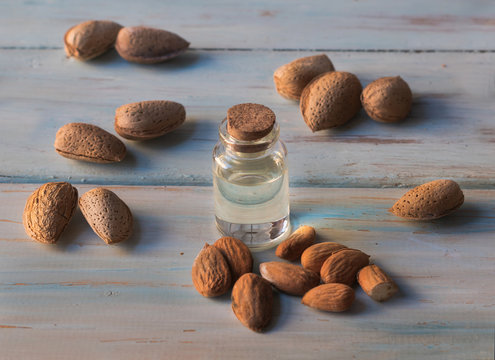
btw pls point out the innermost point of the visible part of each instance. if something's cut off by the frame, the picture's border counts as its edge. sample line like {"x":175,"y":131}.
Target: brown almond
{"x":387,"y":99}
{"x":290,"y":79}
{"x":146,"y":45}
{"x":314,"y":256}
{"x":148,"y":119}
{"x":430,"y":201}
{"x":90,"y":143}
{"x":210,"y":272}
{"x":378,"y":285}
{"x":252,"y":301}
{"x":343,"y":265}
{"x":292,"y":248}
{"x":90,"y":39}
{"x":108,"y":216}
{"x":48,"y":210}
{"x":331,"y":99}
{"x":329,"y":297}
{"x":289,"y":278}
{"x":237,"y":254}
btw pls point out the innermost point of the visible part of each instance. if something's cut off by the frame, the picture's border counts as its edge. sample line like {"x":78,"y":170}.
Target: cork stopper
{"x":249,"y":121}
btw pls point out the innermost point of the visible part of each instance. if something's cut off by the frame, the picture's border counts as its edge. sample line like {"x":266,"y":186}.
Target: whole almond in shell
{"x":237,"y":254}
{"x":146,"y":45}
{"x":210,"y":272}
{"x":331,"y":99}
{"x":314,"y":256}
{"x":252,"y":301}
{"x":290,"y":79}
{"x":289,"y":278}
{"x":387,"y":99}
{"x":88,"y":142}
{"x":48,"y":210}
{"x":329,"y":297}
{"x":148,"y":119}
{"x":90,"y":39}
{"x":430,"y":201}
{"x":343,"y":265}
{"x":378,"y":285}
{"x":108,"y":216}
{"x":292,"y":248}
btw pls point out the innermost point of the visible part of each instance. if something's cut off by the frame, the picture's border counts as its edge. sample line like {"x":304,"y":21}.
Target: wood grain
{"x":274,"y":24}
{"x":449,"y":134}
{"x":83,"y":299}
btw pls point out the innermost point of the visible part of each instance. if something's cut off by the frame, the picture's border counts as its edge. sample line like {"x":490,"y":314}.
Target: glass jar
{"x":251,"y":188}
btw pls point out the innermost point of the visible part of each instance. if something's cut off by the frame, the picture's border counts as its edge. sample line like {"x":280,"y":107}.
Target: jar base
{"x":257,"y":236}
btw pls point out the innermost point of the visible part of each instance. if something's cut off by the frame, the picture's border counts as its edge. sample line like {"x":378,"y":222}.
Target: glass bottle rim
{"x":248,"y":146}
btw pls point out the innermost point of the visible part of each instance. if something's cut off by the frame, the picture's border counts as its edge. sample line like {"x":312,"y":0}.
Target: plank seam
{"x":213,"y":49}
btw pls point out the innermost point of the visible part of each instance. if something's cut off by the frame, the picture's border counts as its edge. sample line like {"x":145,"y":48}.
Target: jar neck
{"x":247,"y":146}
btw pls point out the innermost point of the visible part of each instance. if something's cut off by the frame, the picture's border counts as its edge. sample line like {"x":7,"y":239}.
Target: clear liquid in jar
{"x":252,"y":200}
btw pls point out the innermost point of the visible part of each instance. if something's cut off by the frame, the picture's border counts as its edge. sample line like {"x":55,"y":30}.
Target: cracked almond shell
{"x":252,"y":301}
{"x":430,"y":201}
{"x":88,"y":142}
{"x":48,"y":210}
{"x":146,"y":45}
{"x":387,"y":99}
{"x":331,"y":99}
{"x":90,"y":39}
{"x":148,"y":119}
{"x":290,"y":79}
{"x":109,"y":217}
{"x":210,"y":272}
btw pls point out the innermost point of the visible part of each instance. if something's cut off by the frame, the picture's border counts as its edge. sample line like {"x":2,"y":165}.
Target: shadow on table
{"x":429,"y":112}
{"x":153,"y":229}
{"x":77,"y":229}
{"x":185,"y":60}
{"x":471,"y":217}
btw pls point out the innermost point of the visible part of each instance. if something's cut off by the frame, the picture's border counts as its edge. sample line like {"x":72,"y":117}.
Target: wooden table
{"x":82,"y":299}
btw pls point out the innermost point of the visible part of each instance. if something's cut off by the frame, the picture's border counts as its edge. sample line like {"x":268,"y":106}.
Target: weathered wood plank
{"x":277,"y":24}
{"x":82,"y":298}
{"x":450,"y":132}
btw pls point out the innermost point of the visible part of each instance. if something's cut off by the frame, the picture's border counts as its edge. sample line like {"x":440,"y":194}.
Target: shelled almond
{"x":314,"y":256}
{"x":334,"y":297}
{"x":252,"y":301}
{"x":289,"y":278}
{"x":211,"y":273}
{"x":378,"y":285}
{"x":237,"y":255}
{"x":292,"y":248}
{"x":343,"y":265}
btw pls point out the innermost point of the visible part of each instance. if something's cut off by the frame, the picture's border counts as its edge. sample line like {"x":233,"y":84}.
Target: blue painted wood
{"x":137,"y":298}
{"x":449,"y":134}
{"x":274,"y":24}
